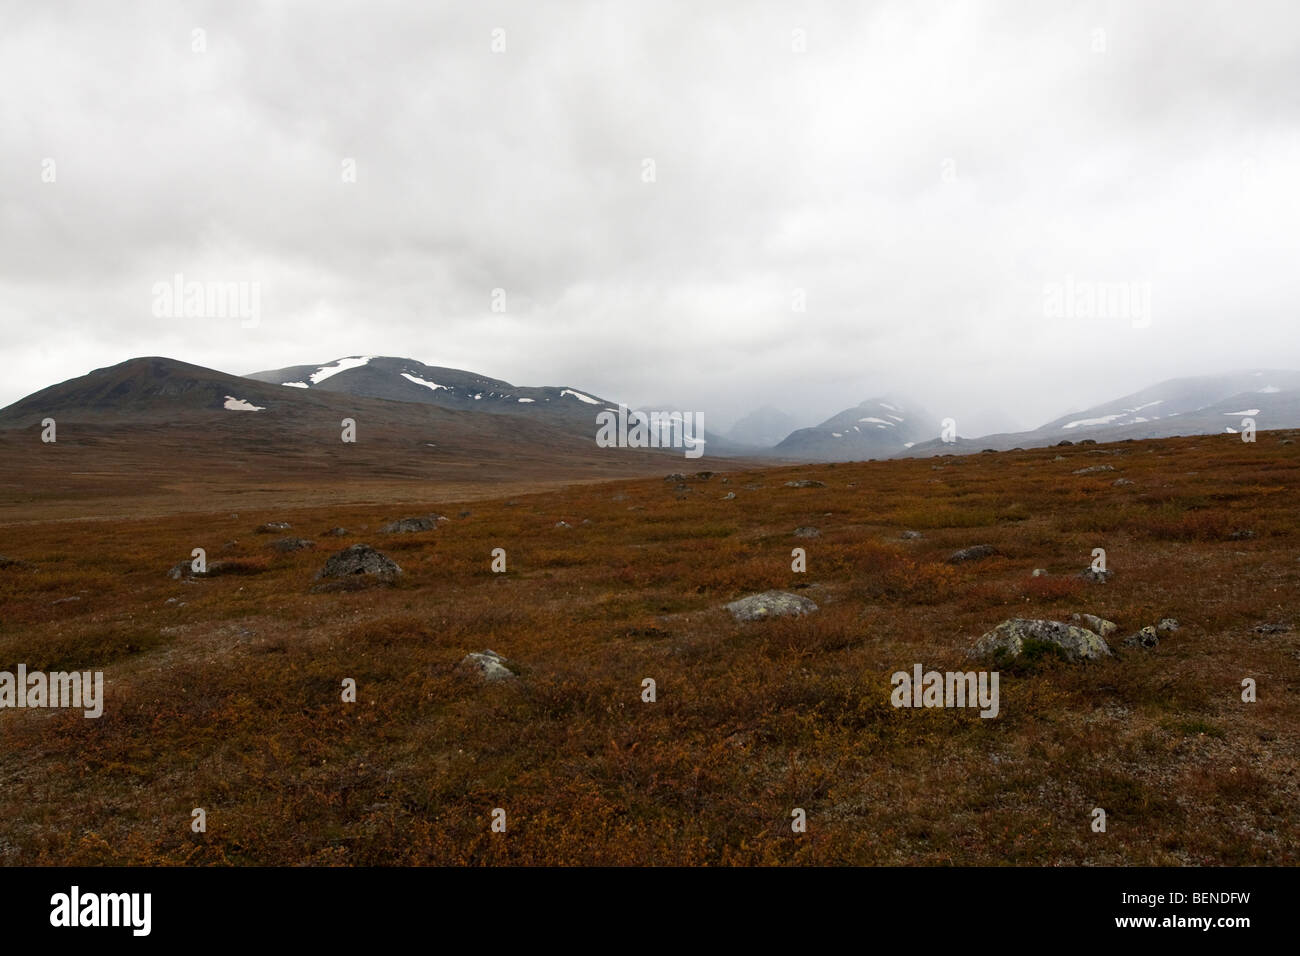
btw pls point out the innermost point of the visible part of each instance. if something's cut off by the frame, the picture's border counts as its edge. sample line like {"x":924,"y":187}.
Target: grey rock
{"x":910,"y":535}
{"x":1039,"y":572}
{"x":977,"y":552}
{"x":409,"y":525}
{"x":1121,"y":481}
{"x":563,"y":524}
{"x":675,"y":476}
{"x":1167,"y":625}
{"x":729,"y":496}
{"x":1100,"y":577}
{"x":1010,"y":637}
{"x":271,"y":527}
{"x":358,"y":562}
{"x":1098,"y":625}
{"x":805,"y":483}
{"x":1093,"y":469}
{"x":292,"y":544}
{"x":487,"y":664}
{"x":807,"y":533}
{"x":758,"y":607}
{"x":1241,"y":534}
{"x":334,"y":533}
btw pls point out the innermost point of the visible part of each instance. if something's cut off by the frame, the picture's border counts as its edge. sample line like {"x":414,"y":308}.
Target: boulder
{"x":805,"y":483}
{"x":1011,"y":638}
{"x":360,"y":562}
{"x":1093,"y":469}
{"x":758,"y":607}
{"x":976,"y":552}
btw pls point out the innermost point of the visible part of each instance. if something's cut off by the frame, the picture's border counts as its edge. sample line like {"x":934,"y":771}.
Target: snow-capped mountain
{"x":877,"y":428}
{"x":406,"y":380}
{"x":1199,"y":405}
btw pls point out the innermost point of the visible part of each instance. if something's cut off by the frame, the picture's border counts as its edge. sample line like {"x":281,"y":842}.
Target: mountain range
{"x":412,"y":407}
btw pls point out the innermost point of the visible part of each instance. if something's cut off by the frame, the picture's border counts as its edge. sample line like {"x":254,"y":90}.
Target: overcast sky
{"x":918,"y":175}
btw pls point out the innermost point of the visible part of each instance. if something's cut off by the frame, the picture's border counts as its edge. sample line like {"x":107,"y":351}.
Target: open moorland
{"x":226,"y":691}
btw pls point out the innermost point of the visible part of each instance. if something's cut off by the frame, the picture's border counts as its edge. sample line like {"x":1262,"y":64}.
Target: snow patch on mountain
{"x":342,"y":365}
{"x":419,"y":381}
{"x":239,"y":405}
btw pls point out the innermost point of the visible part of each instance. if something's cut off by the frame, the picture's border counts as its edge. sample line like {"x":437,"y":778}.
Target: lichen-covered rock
{"x":487,"y":664}
{"x":1147,"y":637}
{"x":1012,"y":637}
{"x":1092,"y":574}
{"x":805,"y":483}
{"x":1098,"y":625}
{"x":1167,"y":625}
{"x":1093,"y":469}
{"x":757,"y":607}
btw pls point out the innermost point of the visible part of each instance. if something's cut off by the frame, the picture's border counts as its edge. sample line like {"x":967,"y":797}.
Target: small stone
{"x":1092,"y":574}
{"x":807,"y":533}
{"x":976,"y":552}
{"x":272,"y":526}
{"x":1093,"y":469}
{"x":1039,"y":572}
{"x":1167,"y":625}
{"x":285,"y":545}
{"x":910,"y":535}
{"x":487,"y":664}
{"x":805,"y":483}
{"x":730,"y":495}
{"x":410,"y":525}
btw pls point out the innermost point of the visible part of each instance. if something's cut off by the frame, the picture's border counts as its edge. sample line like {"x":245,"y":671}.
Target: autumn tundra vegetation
{"x":560,"y":660}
